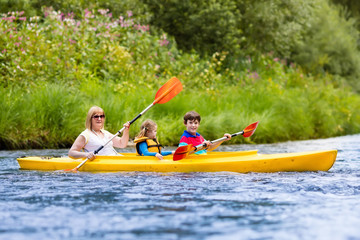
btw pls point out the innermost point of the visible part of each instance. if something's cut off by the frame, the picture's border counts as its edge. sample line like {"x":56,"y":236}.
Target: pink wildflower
{"x":129,"y":13}
{"x":87,"y":13}
{"x":18,"y":67}
{"x":163,"y":41}
{"x":103,"y":11}
{"x":71,"y":15}
{"x":254,"y":75}
{"x":145,"y":28}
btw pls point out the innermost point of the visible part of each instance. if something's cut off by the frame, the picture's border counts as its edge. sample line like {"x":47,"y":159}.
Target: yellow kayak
{"x":242,"y":162}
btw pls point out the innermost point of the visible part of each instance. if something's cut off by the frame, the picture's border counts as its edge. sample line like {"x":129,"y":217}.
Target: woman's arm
{"x":121,"y":142}
{"x":78,"y":145}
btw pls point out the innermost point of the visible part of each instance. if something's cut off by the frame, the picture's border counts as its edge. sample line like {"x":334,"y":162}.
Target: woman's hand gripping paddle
{"x":183,"y":151}
{"x":169,"y":90}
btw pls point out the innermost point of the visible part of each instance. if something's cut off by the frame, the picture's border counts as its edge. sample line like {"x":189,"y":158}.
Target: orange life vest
{"x":152,"y":144}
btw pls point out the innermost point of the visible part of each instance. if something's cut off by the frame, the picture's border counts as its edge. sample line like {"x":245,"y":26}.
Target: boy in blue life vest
{"x":146,"y":142}
{"x":191,"y":136}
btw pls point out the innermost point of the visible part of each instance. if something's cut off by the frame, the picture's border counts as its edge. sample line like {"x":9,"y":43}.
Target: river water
{"x":224,"y":205}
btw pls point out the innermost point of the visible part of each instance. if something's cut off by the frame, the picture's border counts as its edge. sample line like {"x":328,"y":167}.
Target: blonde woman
{"x":95,"y":136}
{"x":146,"y":142}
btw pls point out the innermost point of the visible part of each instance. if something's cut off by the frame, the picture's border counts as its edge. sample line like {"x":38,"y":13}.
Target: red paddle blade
{"x":169,"y":90}
{"x":249,"y":130}
{"x":182,"y":152}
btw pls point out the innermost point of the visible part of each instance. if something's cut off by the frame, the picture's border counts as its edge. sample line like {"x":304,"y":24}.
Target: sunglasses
{"x":99,"y":116}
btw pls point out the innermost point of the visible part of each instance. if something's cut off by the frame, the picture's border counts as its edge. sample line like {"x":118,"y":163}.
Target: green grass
{"x":53,"y":115}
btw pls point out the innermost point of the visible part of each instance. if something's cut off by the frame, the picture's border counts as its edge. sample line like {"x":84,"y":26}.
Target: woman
{"x":95,"y":136}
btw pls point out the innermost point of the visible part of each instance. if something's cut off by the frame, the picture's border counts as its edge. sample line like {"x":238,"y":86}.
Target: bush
{"x":206,"y":26}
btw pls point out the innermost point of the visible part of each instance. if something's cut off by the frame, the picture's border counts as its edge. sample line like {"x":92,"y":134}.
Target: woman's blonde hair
{"x":147,"y":125}
{"x":92,"y":111}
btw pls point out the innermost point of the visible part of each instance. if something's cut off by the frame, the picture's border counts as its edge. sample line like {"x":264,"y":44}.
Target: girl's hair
{"x":92,"y":111}
{"x":192,"y":115}
{"x":147,"y":125}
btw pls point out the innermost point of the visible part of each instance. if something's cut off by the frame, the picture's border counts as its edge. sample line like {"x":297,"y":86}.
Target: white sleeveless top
{"x":93,"y":142}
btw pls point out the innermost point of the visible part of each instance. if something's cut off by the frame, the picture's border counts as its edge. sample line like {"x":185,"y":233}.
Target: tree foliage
{"x":315,"y":34}
{"x":206,"y":26}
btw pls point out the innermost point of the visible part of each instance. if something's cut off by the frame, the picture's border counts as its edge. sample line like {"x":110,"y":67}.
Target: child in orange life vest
{"x":146,"y":143}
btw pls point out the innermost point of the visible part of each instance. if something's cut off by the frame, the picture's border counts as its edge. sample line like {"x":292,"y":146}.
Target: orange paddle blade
{"x":249,"y":130}
{"x":169,"y":90}
{"x":182,"y":152}
{"x":71,"y":170}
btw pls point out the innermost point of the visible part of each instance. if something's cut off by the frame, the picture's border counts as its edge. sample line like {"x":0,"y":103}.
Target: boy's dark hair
{"x":192,"y":115}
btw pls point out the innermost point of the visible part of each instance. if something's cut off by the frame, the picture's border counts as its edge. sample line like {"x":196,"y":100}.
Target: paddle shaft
{"x":224,"y":138}
{"x":203,"y":146}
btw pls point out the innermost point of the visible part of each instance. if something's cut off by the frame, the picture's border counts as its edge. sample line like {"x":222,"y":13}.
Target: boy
{"x":191,"y":136}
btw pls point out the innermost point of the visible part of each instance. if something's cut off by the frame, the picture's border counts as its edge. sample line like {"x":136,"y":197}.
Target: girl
{"x":146,"y":143}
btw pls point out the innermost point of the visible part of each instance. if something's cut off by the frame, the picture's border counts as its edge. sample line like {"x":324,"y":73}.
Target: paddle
{"x":169,"y":90}
{"x":183,"y":151}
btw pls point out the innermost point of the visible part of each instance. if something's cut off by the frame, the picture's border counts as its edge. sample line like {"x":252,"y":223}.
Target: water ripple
{"x":133,"y":205}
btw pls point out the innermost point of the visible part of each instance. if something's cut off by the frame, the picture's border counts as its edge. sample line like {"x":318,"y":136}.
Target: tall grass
{"x":53,"y":115}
